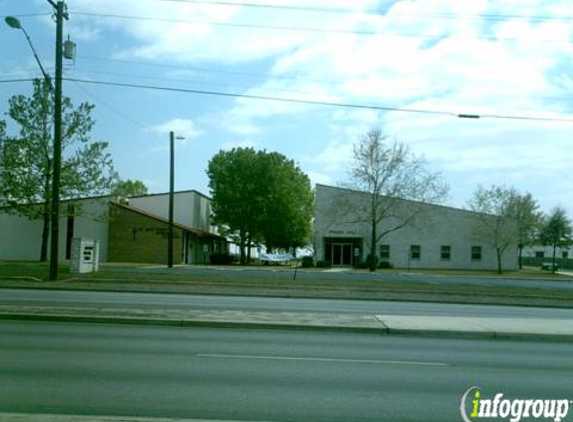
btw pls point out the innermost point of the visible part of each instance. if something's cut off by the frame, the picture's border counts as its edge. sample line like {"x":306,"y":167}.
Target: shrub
{"x":307,"y":262}
{"x":361,"y":265}
{"x":371,"y":258}
{"x":385,"y":264}
{"x":221,"y":259}
{"x":323,"y":264}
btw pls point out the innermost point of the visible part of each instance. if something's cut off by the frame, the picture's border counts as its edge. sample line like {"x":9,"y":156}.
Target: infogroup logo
{"x":513,"y":409}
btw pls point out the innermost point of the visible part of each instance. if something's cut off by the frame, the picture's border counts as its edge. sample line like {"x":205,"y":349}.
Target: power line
{"x":108,"y":106}
{"x":325,"y":103}
{"x":483,"y":16}
{"x":187,"y":81}
{"x":306,"y":29}
{"x":202,"y":69}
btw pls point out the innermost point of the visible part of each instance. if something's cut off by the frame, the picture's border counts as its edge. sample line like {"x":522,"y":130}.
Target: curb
{"x":163,"y":322}
{"x":382,"y":330}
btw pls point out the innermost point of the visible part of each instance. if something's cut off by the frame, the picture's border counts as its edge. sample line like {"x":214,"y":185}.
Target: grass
{"x":130,"y":277}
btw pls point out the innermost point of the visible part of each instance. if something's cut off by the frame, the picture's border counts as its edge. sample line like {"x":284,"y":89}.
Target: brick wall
{"x":134,"y":237}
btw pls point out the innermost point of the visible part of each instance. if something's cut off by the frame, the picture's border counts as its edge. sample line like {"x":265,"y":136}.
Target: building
{"x":432,"y":236}
{"x":537,"y":255}
{"x":128,"y":230}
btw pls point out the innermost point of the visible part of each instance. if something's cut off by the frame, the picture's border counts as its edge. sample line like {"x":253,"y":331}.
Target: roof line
{"x":163,"y":220}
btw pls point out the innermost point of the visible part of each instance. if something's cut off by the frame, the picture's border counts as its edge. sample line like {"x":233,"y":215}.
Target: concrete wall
{"x":21,"y":238}
{"x":337,"y":216}
{"x":190,"y":209}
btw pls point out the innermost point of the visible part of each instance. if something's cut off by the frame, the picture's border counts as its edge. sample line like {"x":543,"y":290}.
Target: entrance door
{"x":341,"y":254}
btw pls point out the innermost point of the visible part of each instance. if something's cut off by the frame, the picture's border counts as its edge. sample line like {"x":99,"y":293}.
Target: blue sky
{"x":496,"y":58}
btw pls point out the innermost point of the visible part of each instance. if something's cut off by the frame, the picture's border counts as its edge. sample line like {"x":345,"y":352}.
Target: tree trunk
{"x":45,"y":232}
{"x":553,"y":259}
{"x":499,"y":269}
{"x":520,"y":259}
{"x":372,"y":263}
{"x":249,"y":246}
{"x":46,"y":212}
{"x":242,"y":247}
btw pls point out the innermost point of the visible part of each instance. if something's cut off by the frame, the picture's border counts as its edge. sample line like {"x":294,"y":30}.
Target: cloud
{"x":239,"y":144}
{"x":184,"y":128}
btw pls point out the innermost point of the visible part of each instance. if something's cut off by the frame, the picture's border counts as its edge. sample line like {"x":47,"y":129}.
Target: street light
{"x":171,"y":196}
{"x":61,"y":13}
{"x":15,"y":23}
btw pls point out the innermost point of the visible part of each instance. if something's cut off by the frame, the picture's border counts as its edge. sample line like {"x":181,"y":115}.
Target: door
{"x":342,"y":254}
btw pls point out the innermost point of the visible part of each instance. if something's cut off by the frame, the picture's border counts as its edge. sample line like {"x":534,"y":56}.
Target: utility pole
{"x":171,"y":188}
{"x":57,"y":159}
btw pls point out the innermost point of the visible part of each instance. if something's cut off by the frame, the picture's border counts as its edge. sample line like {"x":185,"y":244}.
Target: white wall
{"x":435,"y":227}
{"x":190,"y":209}
{"x":21,"y":238}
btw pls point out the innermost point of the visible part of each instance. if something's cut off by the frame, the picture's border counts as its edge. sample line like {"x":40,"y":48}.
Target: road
{"x":98,"y":369}
{"x":245,"y":303}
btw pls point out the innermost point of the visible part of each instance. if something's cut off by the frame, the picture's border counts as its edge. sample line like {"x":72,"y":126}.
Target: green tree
{"x":390,"y":174}
{"x":260,"y":196}
{"x":26,"y":160}
{"x":128,"y":188}
{"x":556,"y":231}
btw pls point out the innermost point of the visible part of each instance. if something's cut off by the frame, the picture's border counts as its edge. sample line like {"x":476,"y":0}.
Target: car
{"x":550,"y":266}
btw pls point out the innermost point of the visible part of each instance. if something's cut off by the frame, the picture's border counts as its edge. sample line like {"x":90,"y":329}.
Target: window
{"x":445,"y":252}
{"x":565,"y":254}
{"x":476,"y":253}
{"x":384,"y":251}
{"x":540,"y":254}
{"x":415,"y":251}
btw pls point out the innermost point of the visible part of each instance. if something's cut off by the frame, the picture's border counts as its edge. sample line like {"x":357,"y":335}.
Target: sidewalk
{"x":414,"y":325}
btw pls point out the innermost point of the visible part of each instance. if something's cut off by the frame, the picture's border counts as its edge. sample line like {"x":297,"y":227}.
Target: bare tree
{"x":390,"y":174}
{"x":495,"y":209}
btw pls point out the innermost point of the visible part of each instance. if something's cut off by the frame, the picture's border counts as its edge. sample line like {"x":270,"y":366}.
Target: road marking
{"x":335,"y":360}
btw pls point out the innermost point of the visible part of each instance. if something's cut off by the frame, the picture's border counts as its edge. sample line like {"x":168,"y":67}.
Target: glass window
{"x":445,"y":252}
{"x":384,"y":251}
{"x":415,"y":251}
{"x":476,"y":253}
{"x":565,"y":254}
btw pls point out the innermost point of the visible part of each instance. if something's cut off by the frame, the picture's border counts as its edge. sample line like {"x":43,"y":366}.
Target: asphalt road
{"x":264,"y":376}
{"x":246,"y":303}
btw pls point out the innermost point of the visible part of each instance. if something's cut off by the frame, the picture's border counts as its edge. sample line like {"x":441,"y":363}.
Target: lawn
{"x":209,"y":280}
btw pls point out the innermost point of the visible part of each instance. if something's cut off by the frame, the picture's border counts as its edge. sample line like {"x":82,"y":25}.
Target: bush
{"x":307,"y":262}
{"x":385,"y":264}
{"x":361,"y":265}
{"x":371,"y":258}
{"x":221,"y":259}
{"x":323,"y":264}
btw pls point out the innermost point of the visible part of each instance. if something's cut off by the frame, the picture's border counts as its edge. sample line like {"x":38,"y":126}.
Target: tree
{"x":495,"y":210}
{"x":556,"y":231}
{"x":128,"y":188}
{"x":390,"y":174}
{"x":524,"y":209}
{"x":26,"y":160}
{"x":260,"y":196}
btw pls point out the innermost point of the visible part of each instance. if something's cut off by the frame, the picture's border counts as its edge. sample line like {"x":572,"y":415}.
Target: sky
{"x":405,"y":67}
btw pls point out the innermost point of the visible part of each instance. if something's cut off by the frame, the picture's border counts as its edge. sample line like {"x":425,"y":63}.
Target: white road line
{"x":293,"y":358}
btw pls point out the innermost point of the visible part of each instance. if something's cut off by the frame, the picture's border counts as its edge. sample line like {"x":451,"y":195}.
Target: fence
{"x":565,"y":263}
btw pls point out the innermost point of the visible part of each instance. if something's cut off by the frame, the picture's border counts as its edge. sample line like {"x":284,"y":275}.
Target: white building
{"x":437,"y":237}
{"x":133,"y":230}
